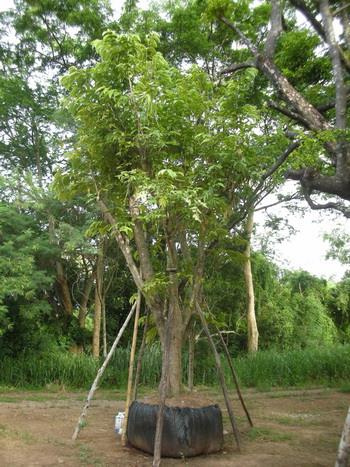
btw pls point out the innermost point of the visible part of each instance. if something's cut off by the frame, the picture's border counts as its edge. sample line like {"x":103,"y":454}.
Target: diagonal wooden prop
{"x":100,"y":373}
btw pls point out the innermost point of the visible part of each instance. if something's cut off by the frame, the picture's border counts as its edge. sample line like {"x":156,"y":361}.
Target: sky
{"x":306,"y":249}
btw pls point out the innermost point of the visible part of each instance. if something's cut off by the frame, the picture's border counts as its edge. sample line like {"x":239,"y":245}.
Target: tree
{"x":50,"y":37}
{"x":157,"y":149}
{"x":26,"y":283}
{"x":253,"y":334}
{"x":310,"y":97}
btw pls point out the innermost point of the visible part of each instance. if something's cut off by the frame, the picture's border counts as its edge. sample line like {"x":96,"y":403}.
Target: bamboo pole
{"x":131,"y":370}
{"x":221,"y":376}
{"x":100,"y":373}
{"x":140,"y":356}
{"x":235,"y":379}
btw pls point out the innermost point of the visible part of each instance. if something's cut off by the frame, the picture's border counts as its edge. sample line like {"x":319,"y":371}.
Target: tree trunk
{"x":83,"y":306}
{"x":64,"y":291}
{"x":104,"y":328}
{"x":61,"y":279}
{"x":174,"y":350}
{"x":253,"y":334}
{"x":98,"y":303}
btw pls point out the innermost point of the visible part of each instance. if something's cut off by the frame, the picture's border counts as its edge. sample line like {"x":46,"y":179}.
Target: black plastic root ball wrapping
{"x":187,"y":431}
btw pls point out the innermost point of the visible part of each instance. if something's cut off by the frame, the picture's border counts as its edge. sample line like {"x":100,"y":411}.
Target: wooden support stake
{"x":100,"y":373}
{"x":234,"y":376}
{"x":157,"y":452}
{"x":343,"y":457}
{"x":221,"y":375}
{"x":140,"y":356}
{"x":131,"y":370}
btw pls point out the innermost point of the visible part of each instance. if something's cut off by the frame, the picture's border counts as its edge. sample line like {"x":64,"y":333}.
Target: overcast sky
{"x":304,"y":250}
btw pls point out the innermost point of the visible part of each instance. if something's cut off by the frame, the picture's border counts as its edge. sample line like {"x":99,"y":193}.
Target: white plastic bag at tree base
{"x":119,"y":419}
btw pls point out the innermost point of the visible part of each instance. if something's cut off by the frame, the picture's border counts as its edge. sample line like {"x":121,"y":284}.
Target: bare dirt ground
{"x":292,"y":428}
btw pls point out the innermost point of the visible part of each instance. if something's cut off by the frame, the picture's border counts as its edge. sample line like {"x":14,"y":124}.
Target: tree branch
{"x":240,"y":34}
{"x":282,"y":158}
{"x":289,"y":113}
{"x":275,"y":29}
{"x":238,"y":66}
{"x":123,"y":243}
{"x":331,"y":205}
{"x":310,"y":16}
{"x":140,"y":240}
{"x":282,"y":200}
{"x":340,"y":99}
{"x":312,"y":180}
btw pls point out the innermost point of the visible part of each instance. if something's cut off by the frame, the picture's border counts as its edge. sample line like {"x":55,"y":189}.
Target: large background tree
{"x":308,"y":68}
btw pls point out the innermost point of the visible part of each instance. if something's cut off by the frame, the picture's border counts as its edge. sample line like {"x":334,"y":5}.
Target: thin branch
{"x":341,"y":8}
{"x":310,"y":16}
{"x":240,"y":34}
{"x":140,"y":240}
{"x":330,"y":205}
{"x":281,"y":159}
{"x":331,"y":104}
{"x":283,"y":200}
{"x":238,"y":66}
{"x":123,"y":243}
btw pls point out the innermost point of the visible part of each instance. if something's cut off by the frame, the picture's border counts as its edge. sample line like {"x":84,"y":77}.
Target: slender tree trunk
{"x":253,"y":334}
{"x":61,"y":279}
{"x":98,"y":303}
{"x":64,"y":290}
{"x":83,"y":306}
{"x":104,"y":328}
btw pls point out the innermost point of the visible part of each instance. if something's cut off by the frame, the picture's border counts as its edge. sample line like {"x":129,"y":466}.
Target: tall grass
{"x":328,"y":366}
{"x":317,"y":366}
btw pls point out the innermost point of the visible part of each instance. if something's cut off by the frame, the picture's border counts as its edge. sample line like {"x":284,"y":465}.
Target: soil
{"x":185,"y":400}
{"x":298,"y":428}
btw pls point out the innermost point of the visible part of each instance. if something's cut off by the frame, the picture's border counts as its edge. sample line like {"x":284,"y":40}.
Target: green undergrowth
{"x":327,"y":366}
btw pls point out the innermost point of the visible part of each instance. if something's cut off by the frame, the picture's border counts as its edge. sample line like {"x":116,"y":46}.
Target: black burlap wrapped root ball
{"x":187,"y":431}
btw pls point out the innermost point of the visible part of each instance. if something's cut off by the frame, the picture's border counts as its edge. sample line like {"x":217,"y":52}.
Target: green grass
{"x":345,"y":388}
{"x":87,"y":456}
{"x":267,"y":434}
{"x":326,"y":367}
{"x":25,"y":436}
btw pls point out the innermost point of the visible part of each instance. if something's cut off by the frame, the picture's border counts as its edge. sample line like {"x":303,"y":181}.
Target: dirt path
{"x":293,"y":428}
